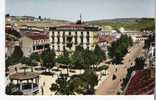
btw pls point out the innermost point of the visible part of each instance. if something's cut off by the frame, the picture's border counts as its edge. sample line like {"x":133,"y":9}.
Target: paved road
{"x":111,"y":87}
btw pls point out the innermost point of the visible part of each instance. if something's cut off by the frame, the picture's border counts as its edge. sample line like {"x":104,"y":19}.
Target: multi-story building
{"x":151,"y":55}
{"x":67,"y":37}
{"x":34,"y":43}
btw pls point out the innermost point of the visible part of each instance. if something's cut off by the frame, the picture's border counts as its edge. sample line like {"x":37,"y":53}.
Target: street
{"x":111,"y":87}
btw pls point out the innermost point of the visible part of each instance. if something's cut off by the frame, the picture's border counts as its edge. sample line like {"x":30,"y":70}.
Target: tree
{"x":77,"y":58}
{"x":35,"y":56}
{"x":40,"y":18}
{"x":15,"y":57}
{"x":99,"y":55}
{"x":85,"y":83}
{"x":48,"y":58}
{"x":119,"y":48}
{"x":139,"y":63}
{"x":7,"y":15}
{"x":65,"y":60}
{"x":18,"y":53}
{"x":62,"y":86}
{"x":28,"y":61}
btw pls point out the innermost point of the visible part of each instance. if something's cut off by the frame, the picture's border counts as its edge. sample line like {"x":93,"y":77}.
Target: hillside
{"x":128,"y":23}
{"x":42,"y":23}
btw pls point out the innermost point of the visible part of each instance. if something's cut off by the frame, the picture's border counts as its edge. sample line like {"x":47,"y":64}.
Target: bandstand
{"x":27,"y":83}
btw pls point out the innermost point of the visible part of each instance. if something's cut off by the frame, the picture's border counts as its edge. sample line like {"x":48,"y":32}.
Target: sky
{"x":89,"y":9}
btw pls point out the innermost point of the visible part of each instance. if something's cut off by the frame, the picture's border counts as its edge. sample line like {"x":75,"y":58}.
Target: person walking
{"x":42,"y":90}
{"x":43,"y":83}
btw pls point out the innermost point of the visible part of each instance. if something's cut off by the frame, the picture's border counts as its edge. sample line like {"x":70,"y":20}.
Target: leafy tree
{"x":99,"y":55}
{"x":65,"y":60}
{"x":85,"y":83}
{"x":7,"y":15}
{"x":15,"y":57}
{"x":77,"y":58}
{"x":40,"y":18}
{"x":62,"y":86}
{"x":87,"y":58}
{"x":139,"y":63}
{"x":48,"y":58}
{"x":28,"y":61}
{"x":118,"y":49}
{"x":35,"y":56}
{"x":18,"y":53}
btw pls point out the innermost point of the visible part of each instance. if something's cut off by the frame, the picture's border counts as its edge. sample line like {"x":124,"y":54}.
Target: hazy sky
{"x":90,"y":9}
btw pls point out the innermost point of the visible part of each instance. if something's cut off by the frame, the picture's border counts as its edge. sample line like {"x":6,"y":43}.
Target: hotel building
{"x":67,"y":37}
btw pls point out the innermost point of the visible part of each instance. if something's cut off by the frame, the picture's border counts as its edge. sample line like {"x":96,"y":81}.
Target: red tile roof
{"x":141,"y":83}
{"x":75,"y":27}
{"x":105,"y":38}
{"x":38,"y":37}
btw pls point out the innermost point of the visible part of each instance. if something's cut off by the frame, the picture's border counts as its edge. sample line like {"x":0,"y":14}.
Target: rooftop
{"x":24,"y":76}
{"x":105,"y":38}
{"x":141,"y":83}
{"x":37,"y":37}
{"x":79,"y":27}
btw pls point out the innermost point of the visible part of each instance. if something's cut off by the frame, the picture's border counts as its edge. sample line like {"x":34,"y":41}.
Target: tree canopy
{"x":119,"y":48}
{"x":48,"y":58}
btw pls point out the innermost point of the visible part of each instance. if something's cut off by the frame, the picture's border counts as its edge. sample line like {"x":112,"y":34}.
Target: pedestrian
{"x":42,"y":91}
{"x":16,"y":69}
{"x":116,"y":69}
{"x":43,"y":83}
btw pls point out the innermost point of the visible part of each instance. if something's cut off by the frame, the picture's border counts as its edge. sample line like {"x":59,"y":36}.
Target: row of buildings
{"x":59,"y":38}
{"x":67,"y":37}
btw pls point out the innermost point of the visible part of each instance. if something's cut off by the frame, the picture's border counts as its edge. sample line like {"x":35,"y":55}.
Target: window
{"x":75,"y":39}
{"x":58,"y":48}
{"x":81,"y":33}
{"x":63,"y":48}
{"x":58,"y":38}
{"x":53,"y":34}
{"x":69,"y":33}
{"x":33,"y":47}
{"x":76,"y":33}
{"x":87,"y":33}
{"x":58,"y":35}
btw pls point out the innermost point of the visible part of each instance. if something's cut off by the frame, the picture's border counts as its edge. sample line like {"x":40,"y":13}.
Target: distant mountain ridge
{"x":121,"y":20}
{"x":138,"y":24}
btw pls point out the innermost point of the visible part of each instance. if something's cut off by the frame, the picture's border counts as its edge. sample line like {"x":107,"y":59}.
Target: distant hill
{"x":127,"y":23}
{"x":42,"y":23}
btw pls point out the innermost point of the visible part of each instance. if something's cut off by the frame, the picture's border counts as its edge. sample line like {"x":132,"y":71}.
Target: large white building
{"x":67,"y":37}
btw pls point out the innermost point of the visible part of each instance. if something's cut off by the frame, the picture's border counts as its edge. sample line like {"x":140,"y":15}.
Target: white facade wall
{"x":27,"y":46}
{"x":58,"y":47}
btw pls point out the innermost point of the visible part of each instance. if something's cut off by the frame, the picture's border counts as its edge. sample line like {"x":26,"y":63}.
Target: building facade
{"x":34,"y":43}
{"x":67,"y":37}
